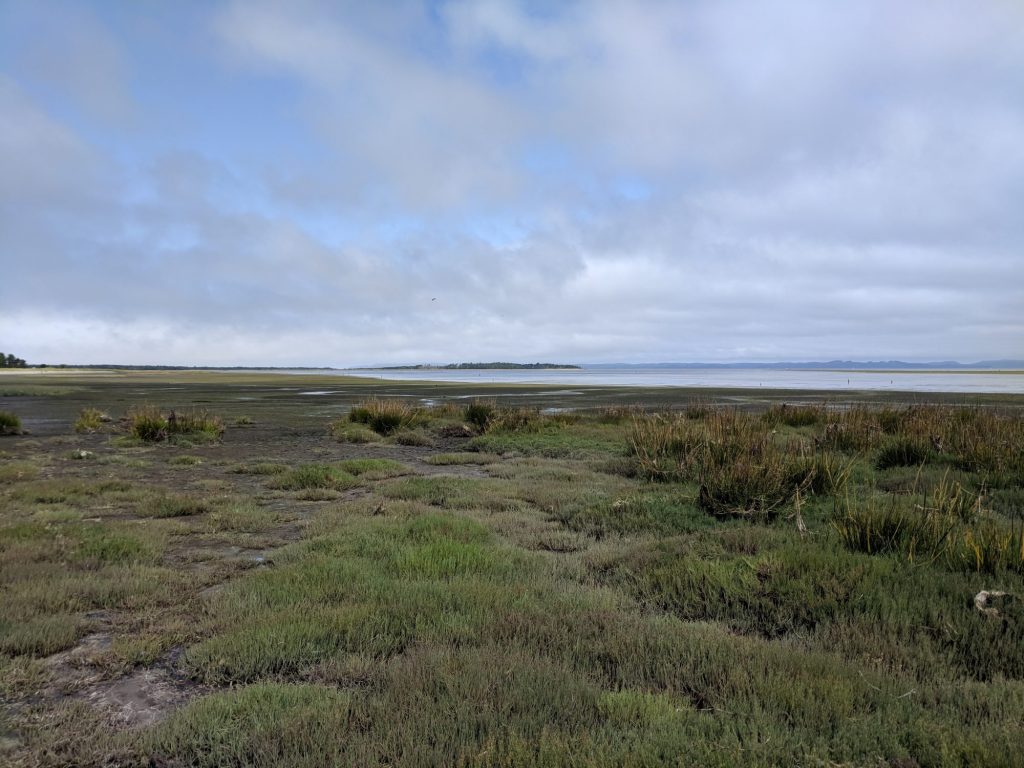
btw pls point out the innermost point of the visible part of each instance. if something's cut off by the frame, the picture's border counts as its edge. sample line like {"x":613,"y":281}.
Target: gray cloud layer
{"x":607,"y":181}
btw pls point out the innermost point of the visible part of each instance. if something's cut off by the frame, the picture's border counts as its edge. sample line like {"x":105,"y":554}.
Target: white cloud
{"x":655,"y":180}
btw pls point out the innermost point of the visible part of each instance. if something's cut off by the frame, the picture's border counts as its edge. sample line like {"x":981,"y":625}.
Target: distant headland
{"x":473,"y":367}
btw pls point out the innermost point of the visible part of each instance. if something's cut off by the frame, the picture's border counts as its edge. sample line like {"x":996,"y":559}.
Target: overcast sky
{"x":341,"y":184}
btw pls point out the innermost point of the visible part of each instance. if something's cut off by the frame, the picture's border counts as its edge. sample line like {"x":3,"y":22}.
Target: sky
{"x":342,"y":184}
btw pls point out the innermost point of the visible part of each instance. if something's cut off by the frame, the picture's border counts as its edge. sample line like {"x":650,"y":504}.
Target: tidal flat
{"x":313,"y":571}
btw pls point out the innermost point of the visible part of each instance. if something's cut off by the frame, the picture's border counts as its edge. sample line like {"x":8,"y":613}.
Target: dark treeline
{"x":10,"y":361}
{"x":474,"y":367}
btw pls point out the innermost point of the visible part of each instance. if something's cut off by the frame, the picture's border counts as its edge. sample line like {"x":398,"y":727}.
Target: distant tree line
{"x":468,"y":367}
{"x":512,"y":366}
{"x":10,"y":361}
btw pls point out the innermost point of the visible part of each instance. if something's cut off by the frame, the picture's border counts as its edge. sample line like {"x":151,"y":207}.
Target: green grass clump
{"x":101,"y":546}
{"x":268,"y":724}
{"x":10,"y":424}
{"x":740,"y":466}
{"x":314,"y":476}
{"x":349,"y":432}
{"x":479,"y":413}
{"x":40,"y":636}
{"x":902,"y":452}
{"x":374,"y":469}
{"x":794,"y":415}
{"x":260,"y":468}
{"x":949,"y":528}
{"x":150,"y":424}
{"x":383,"y":416}
{"x":172,"y":505}
{"x":90,"y":420}
{"x":466,"y":457}
{"x":413,"y":437}
{"x":185,"y":461}
{"x":18,"y":471}
{"x":147,"y":423}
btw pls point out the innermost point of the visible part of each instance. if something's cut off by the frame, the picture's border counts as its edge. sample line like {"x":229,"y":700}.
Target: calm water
{"x":905,"y":381}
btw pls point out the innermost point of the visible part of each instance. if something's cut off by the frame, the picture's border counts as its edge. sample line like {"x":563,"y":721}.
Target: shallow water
{"x":901,"y":381}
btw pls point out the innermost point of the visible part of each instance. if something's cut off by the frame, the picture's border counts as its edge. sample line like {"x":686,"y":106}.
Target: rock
{"x":983,"y":599}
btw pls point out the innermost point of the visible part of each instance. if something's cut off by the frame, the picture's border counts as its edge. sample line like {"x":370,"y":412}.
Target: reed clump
{"x":150,"y":424}
{"x":10,"y":424}
{"x":480,"y":413}
{"x":90,"y":420}
{"x":740,"y":465}
{"x":949,"y":526}
{"x":384,"y":415}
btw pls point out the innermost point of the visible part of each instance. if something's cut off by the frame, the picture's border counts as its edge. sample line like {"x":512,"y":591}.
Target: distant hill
{"x":837,"y":365}
{"x":474,"y":367}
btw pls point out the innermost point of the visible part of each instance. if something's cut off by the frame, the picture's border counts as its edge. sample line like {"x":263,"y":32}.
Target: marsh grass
{"x":374,"y":469}
{"x":259,"y":468}
{"x":175,"y":505}
{"x":18,"y":471}
{"x":90,"y":420}
{"x":150,"y":424}
{"x":464,"y":457}
{"x":739,"y":464}
{"x":415,"y":437}
{"x":576,"y":606}
{"x":348,"y":432}
{"x":185,"y":461}
{"x":948,"y":527}
{"x":10,"y":424}
{"x":794,"y":415}
{"x":384,"y":416}
{"x":479,"y":413}
{"x":902,"y":452}
{"x":314,"y":476}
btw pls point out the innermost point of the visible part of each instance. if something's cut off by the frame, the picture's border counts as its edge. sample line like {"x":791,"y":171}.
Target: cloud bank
{"x":327,"y":184}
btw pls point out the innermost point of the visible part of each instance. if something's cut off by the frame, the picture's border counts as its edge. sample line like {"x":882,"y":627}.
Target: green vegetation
{"x":309,"y":476}
{"x":10,"y":361}
{"x":383,"y":416}
{"x":150,"y":424}
{"x":10,"y":424}
{"x":90,"y":420}
{"x":624,"y":584}
{"x":479,"y":413}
